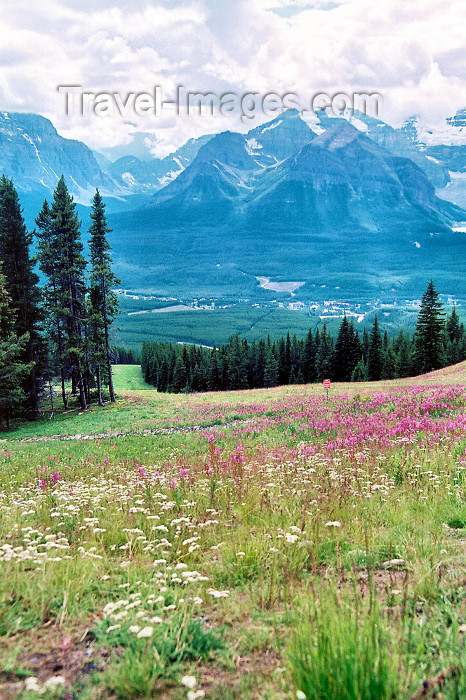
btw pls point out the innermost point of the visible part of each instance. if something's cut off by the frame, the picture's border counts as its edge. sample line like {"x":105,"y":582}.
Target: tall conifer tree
{"x":429,"y":337}
{"x":13,"y":371}
{"x":375,"y":354}
{"x":21,"y":286}
{"x":61,"y":259}
{"x":103,"y":301}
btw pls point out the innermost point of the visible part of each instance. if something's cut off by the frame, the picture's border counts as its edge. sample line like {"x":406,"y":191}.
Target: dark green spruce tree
{"x":103,"y":302}
{"x":347,"y":352}
{"x":21,"y":286}
{"x":61,"y":259}
{"x":403,"y":359}
{"x":324,"y":354}
{"x":454,"y":329}
{"x":359,"y":373}
{"x":429,"y":336}
{"x":454,"y":338}
{"x":309,"y":358}
{"x":375,"y":353}
{"x":13,"y":371}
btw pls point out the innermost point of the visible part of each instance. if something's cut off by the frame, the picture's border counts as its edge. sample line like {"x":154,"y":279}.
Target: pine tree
{"x":355,"y":346}
{"x":21,"y":286}
{"x":237,"y":355}
{"x":297,"y":351}
{"x":340,"y":366}
{"x":388,"y":364}
{"x":12,"y":369}
{"x":283,"y":363}
{"x":359,"y":373}
{"x":49,"y":253}
{"x":403,"y":360}
{"x":214,"y":373}
{"x":270,"y":368}
{"x":180,"y":376}
{"x":453,"y":352}
{"x":103,"y":305}
{"x":309,"y":358}
{"x":260,"y":365}
{"x":429,"y":337}
{"x":385,"y":340}
{"x":365,"y":345}
{"x":346,"y":353}
{"x":324,"y":355}
{"x":61,"y":259}
{"x":375,"y":356}
{"x":454,"y":331}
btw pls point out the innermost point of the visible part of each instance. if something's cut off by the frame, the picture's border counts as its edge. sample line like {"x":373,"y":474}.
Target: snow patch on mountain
{"x":271,"y":126}
{"x":360,"y":125}
{"x":252,"y":146}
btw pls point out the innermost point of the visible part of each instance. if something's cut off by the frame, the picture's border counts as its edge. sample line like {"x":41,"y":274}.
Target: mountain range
{"x":333,"y":211}
{"x":350,"y":205}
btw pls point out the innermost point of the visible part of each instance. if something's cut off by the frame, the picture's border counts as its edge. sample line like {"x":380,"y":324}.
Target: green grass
{"x":129,"y":377}
{"x":344,"y":647}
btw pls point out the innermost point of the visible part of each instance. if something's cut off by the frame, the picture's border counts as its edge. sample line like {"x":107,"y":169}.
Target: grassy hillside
{"x":129,"y":377}
{"x":268,"y":543}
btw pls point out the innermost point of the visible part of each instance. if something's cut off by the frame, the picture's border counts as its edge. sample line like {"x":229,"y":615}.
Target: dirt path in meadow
{"x":130,"y":433}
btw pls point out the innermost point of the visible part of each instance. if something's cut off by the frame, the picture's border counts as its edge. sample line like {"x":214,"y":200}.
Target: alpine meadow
{"x":232,"y":350}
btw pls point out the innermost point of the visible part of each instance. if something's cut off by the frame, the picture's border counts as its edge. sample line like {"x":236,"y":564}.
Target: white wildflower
{"x":194,"y":694}
{"x":218,"y":594}
{"x":189,"y":681}
{"x":291,"y":538}
{"x":54,"y":681}
{"x":32,"y":684}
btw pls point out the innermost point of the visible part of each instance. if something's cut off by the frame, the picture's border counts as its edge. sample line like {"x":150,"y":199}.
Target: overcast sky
{"x":411,"y":51}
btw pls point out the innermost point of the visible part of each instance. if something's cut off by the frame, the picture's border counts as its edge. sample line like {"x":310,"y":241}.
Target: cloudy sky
{"x":413,"y":52}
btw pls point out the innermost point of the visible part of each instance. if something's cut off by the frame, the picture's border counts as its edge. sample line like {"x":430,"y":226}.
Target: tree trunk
{"x":63,"y":390}
{"x":74,"y":383}
{"x":82,"y":393}
{"x":99,"y":386}
{"x":34,"y":393}
{"x":62,"y":371}
{"x":109,"y":365}
{"x":52,"y":408}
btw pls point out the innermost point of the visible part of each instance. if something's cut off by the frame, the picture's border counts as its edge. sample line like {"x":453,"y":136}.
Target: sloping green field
{"x":259,"y":544}
{"x":129,"y":377}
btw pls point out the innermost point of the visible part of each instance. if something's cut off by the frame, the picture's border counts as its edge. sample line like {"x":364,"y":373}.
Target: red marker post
{"x":326,"y":384}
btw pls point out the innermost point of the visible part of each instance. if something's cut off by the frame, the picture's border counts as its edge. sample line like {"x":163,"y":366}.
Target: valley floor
{"x":260,"y":544}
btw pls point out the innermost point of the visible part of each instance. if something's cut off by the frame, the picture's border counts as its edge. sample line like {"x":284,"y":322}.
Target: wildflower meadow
{"x":272,"y":543}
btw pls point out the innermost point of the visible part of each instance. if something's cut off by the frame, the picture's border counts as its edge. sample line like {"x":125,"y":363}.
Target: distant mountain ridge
{"x":147,"y":176}
{"x":340,"y":210}
{"x":341,"y":165}
{"x":348,"y":204}
{"x":35,"y":156}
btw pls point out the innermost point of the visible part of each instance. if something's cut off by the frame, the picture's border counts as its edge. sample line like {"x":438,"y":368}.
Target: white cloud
{"x":411,"y":52}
